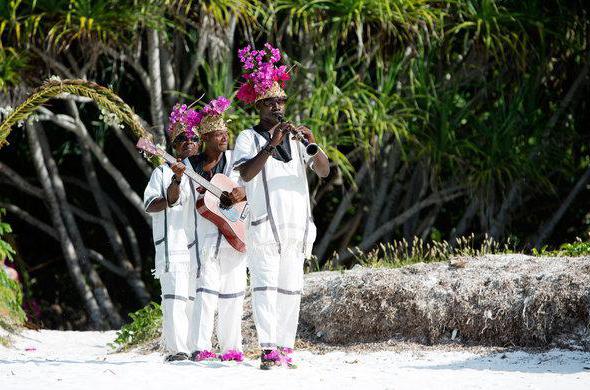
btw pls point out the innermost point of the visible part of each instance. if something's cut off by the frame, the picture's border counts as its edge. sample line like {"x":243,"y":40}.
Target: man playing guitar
{"x":221,"y":270}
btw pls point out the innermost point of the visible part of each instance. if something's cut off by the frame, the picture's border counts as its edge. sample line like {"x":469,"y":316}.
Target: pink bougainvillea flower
{"x":232,"y":355}
{"x":246,"y":93}
{"x":205,"y":355}
{"x":260,"y":71}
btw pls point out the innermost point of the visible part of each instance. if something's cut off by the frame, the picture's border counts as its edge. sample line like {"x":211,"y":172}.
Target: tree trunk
{"x":501,"y":220}
{"x":133,"y":276}
{"x":70,"y":255}
{"x":68,"y":123}
{"x":156,"y":101}
{"x":168,"y":76}
{"x":100,"y":291}
{"x":388,"y":169}
{"x":135,"y":155}
{"x":463,"y":224}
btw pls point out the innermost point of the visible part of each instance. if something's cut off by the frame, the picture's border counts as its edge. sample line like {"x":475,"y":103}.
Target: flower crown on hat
{"x":190,"y":121}
{"x":212,"y":115}
{"x":182,"y":119}
{"x":263,"y":77}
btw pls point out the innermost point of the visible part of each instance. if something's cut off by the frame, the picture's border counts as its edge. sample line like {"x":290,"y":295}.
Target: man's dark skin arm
{"x":158,"y":204}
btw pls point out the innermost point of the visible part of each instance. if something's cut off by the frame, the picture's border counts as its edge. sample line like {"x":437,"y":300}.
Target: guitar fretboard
{"x":149,"y":147}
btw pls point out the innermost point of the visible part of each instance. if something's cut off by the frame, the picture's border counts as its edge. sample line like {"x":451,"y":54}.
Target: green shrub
{"x":575,"y":249}
{"x":145,"y":326}
{"x":11,"y":296}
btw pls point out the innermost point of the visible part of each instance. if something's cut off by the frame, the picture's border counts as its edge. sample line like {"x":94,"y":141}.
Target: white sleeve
{"x":244,"y":150}
{"x":232,"y":173}
{"x":154,"y":188}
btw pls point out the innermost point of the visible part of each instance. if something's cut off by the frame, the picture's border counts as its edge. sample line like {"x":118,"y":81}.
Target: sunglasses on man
{"x":272,"y":101}
{"x":184,"y":138}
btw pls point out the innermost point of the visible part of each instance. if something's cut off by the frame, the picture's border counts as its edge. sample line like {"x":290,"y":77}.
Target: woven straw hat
{"x":211,"y":123}
{"x":275,"y":91}
{"x":175,"y":131}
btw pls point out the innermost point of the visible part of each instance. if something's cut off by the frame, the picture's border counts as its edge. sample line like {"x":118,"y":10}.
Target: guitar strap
{"x":273,"y":225}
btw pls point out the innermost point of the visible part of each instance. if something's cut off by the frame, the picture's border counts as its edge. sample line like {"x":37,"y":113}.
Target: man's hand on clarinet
{"x":306,"y":133}
{"x":278,"y":134}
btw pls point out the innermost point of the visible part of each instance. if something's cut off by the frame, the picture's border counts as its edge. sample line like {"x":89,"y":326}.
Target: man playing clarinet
{"x":281,"y":232}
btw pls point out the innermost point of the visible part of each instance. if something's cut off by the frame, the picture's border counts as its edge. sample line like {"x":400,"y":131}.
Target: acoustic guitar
{"x":230,"y":221}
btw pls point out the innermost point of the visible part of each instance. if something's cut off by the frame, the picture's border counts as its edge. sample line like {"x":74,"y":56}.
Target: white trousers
{"x":277,"y":283}
{"x":178,"y":297}
{"x":221,"y":287}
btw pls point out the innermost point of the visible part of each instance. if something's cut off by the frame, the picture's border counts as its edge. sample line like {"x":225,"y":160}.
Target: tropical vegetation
{"x":442,"y":119}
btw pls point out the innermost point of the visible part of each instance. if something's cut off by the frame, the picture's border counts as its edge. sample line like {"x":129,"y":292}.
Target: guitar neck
{"x":193,"y":175}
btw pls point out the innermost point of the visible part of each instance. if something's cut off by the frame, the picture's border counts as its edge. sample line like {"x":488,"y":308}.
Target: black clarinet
{"x":310,"y":148}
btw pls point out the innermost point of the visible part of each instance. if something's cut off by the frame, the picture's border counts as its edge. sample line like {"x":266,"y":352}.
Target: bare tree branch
{"x":321,"y":249}
{"x":546,"y":230}
{"x":100,"y":291}
{"x":436,"y":198}
{"x":67,"y":122}
{"x":28,"y":218}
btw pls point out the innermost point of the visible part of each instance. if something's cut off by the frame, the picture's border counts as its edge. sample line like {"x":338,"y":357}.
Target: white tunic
{"x":280,"y":216}
{"x":203,"y":234}
{"x":168,"y":225}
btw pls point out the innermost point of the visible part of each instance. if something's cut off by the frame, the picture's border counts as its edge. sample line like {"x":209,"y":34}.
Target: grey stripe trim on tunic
{"x":273,"y":226}
{"x":240,"y":161}
{"x":220,"y":295}
{"x":259,"y":221}
{"x":149,"y":201}
{"x":232,"y":295}
{"x":173,"y":296}
{"x":267,"y":345}
{"x":279,"y":290}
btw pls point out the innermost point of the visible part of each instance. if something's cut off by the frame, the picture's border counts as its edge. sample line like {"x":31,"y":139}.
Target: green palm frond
{"x":103,"y":96}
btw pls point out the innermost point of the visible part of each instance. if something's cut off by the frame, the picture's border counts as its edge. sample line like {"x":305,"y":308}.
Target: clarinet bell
{"x":312,"y":149}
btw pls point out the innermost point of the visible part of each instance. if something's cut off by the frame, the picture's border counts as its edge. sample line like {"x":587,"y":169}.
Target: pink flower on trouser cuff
{"x":204,"y":355}
{"x":273,"y":355}
{"x":232,"y":355}
{"x":280,"y":356}
{"x":285,"y":355}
